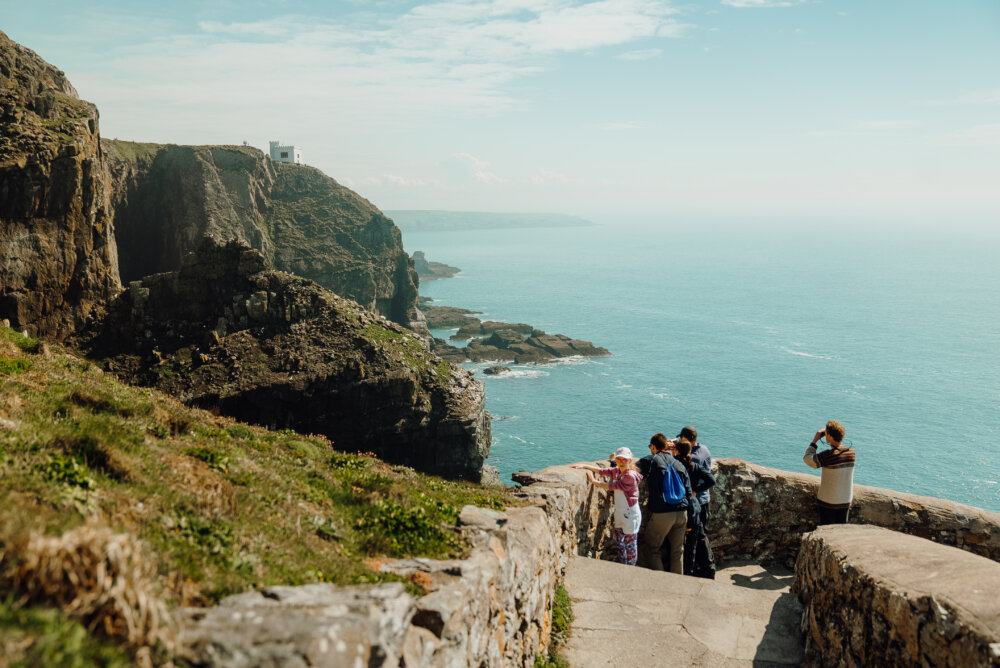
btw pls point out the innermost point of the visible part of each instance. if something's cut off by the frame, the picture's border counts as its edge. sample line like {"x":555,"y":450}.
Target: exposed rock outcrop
{"x":58,"y":258}
{"x":506,"y":343}
{"x":304,"y":222}
{"x":445,"y":317}
{"x":429,"y":271}
{"x":270,"y":348}
{"x":73,"y":205}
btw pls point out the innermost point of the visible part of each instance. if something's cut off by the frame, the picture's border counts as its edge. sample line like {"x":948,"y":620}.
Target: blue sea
{"x":755,"y":336}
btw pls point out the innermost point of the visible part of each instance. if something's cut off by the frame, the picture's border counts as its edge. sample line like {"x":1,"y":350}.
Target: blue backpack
{"x":673,"y":487}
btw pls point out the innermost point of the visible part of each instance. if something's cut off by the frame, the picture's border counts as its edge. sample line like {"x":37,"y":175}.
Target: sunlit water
{"x":756,"y":339}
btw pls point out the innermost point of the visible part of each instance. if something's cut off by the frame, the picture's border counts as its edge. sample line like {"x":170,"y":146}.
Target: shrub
{"x":10,"y":366}
{"x":66,"y":470}
{"x":240,"y":431}
{"x":400,"y":531}
{"x":44,"y":636}
{"x":102,"y":578}
{"x":215,"y":460}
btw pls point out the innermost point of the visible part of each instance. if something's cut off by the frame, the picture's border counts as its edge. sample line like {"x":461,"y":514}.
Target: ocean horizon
{"x":755,"y":336}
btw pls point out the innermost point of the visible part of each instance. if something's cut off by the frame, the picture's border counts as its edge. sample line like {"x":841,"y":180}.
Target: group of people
{"x":678,"y":520}
{"x":678,"y":476}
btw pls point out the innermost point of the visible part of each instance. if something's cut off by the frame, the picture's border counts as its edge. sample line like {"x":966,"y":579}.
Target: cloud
{"x":886,"y":125}
{"x":641,"y":54}
{"x":977,"y":135}
{"x":547,"y":177}
{"x":617,"y":125}
{"x":986,"y":96}
{"x":867,"y":129}
{"x":478,"y":169}
{"x":457,"y":55}
{"x":762,"y":3}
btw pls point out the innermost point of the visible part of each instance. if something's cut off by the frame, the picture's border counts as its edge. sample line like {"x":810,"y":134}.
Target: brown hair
{"x":684,"y":453}
{"x":834,"y":431}
{"x":690,"y":433}
{"x":659,"y":442}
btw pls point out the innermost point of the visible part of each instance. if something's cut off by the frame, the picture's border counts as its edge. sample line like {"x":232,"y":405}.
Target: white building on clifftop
{"x":285,"y":153}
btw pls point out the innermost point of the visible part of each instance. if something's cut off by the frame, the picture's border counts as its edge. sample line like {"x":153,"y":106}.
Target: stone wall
{"x":761,"y":513}
{"x":874,"y":597}
{"x":491,"y":609}
{"x":494,"y":607}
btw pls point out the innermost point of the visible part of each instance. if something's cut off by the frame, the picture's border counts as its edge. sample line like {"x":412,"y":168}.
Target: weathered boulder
{"x":878,"y":597}
{"x":311,"y":625}
{"x":266,"y":347}
{"x":58,"y":258}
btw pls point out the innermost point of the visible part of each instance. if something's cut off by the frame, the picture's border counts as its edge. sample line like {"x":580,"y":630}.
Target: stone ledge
{"x":761,"y":513}
{"x":879,"y":597}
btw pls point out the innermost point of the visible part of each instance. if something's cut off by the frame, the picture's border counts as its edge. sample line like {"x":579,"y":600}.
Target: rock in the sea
{"x":496,"y":370}
{"x":446,"y":317}
{"x":293,"y":355}
{"x":429,"y":271}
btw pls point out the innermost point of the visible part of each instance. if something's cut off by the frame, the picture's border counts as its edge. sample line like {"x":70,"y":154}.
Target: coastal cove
{"x":755,"y":339}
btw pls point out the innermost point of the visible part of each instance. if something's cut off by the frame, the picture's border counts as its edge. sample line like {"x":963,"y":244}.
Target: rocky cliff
{"x":77,"y":213}
{"x":79,"y":216}
{"x":166,"y":198}
{"x":58,"y":256}
{"x":278,"y":350}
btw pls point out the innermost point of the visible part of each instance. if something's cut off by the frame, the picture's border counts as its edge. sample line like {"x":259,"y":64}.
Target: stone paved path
{"x":629,"y":616}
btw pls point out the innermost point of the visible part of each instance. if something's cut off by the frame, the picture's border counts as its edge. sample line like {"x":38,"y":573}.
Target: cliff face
{"x":267,"y":347}
{"x":78,"y":215}
{"x":58,"y":255}
{"x":166,"y":198}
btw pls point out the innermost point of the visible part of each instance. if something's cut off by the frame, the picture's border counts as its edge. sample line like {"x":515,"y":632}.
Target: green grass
{"x":43,"y":636}
{"x":25,"y":343}
{"x":130,"y":150}
{"x":411,"y":350}
{"x":10,"y":366}
{"x":562,"y":616}
{"x":223,"y":507}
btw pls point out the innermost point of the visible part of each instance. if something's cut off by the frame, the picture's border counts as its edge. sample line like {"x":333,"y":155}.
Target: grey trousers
{"x":669,"y":526}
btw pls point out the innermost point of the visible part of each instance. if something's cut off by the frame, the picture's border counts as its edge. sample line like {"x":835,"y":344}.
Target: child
{"x":624,"y":483}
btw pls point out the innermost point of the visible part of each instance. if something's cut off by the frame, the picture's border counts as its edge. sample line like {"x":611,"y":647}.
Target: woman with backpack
{"x":666,"y":506}
{"x":625,"y":478}
{"x":701,"y":479}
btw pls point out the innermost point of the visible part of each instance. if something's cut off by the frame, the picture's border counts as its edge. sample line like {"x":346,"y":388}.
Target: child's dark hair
{"x":684,"y":453}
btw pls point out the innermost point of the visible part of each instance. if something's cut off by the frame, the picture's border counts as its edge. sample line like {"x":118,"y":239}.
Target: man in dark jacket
{"x":666,"y":521}
{"x":704,"y":561}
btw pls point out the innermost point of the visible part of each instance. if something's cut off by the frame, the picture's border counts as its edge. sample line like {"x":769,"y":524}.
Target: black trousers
{"x":698,"y":558}
{"x":833,"y":515}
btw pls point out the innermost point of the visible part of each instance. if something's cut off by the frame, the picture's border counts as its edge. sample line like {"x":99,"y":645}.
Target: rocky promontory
{"x":494,"y":341}
{"x":266,"y":347}
{"x":81,"y":215}
{"x":429,"y":271}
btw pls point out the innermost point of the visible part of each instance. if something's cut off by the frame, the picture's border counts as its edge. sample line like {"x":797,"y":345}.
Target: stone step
{"x":630,"y":616}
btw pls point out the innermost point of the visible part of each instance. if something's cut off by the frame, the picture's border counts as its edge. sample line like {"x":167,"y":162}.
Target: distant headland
{"x":425,"y":221}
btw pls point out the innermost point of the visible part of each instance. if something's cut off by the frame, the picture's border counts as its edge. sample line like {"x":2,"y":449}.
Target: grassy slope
{"x":222,"y":506}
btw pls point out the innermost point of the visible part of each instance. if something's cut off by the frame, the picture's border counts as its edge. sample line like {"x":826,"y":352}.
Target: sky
{"x":609,"y":109}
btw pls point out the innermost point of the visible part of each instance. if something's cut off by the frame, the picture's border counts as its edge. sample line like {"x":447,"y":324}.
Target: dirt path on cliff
{"x":629,"y":616}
